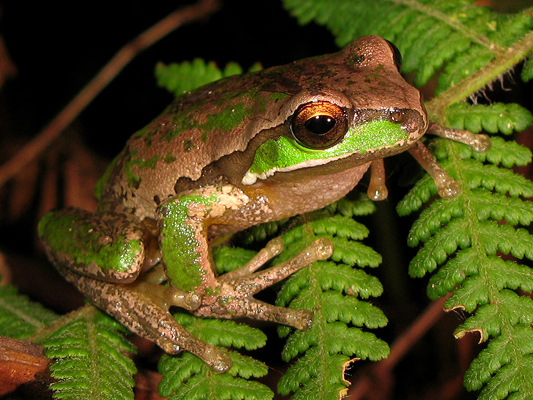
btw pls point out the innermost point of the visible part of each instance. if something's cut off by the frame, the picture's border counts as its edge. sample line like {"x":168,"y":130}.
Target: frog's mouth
{"x":373,"y":134}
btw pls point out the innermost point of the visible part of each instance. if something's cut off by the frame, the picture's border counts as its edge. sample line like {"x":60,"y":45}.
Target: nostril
{"x":398,"y":117}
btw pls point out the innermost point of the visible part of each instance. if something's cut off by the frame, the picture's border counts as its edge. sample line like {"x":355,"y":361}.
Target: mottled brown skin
{"x":362,"y":77}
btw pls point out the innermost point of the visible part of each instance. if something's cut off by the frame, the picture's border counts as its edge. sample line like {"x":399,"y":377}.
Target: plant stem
{"x":470,"y":85}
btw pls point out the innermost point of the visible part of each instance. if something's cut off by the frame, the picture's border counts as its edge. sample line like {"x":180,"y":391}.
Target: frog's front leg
{"x":235,"y":297}
{"x":184,"y":226}
{"x":102,"y":255}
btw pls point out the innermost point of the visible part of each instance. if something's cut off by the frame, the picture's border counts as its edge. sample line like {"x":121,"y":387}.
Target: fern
{"x":19,"y":317}
{"x":332,"y":290}
{"x":430,"y":34}
{"x":188,"y":377}
{"x":466,"y":228}
{"x":497,"y":117}
{"x":186,"y":76}
{"x":91,"y":357}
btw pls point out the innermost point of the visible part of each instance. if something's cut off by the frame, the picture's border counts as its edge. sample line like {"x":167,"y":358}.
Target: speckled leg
{"x":446,"y":186}
{"x":139,"y":310}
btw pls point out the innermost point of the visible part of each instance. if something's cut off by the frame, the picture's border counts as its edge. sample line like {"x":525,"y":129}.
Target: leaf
{"x":508,"y":154}
{"x":359,"y":205}
{"x":497,"y":117}
{"x":187,"y":377}
{"x":19,"y":317}
{"x":182,"y":78}
{"x":222,"y":332}
{"x":527,"y":70}
{"x":91,"y":360}
{"x":337,"y":332}
{"x":462,"y":238}
{"x":230,"y":258}
{"x":457,"y":37}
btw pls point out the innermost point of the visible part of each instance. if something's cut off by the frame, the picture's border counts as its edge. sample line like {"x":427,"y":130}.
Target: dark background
{"x":58,"y":49}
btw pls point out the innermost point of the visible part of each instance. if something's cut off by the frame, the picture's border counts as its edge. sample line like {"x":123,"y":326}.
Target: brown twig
{"x":35,"y":147}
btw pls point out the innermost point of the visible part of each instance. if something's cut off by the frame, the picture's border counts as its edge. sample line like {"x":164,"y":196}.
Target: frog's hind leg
{"x":107,"y":246}
{"x":142,"y":314}
{"x":235,"y":298}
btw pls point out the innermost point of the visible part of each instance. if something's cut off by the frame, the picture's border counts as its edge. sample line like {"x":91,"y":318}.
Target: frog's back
{"x":194,"y":131}
{"x":222,"y":118}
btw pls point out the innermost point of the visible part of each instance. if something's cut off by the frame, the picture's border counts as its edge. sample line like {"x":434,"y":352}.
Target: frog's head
{"x":349,"y":105}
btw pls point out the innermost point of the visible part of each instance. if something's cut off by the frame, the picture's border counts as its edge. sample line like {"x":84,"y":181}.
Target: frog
{"x":248,"y":149}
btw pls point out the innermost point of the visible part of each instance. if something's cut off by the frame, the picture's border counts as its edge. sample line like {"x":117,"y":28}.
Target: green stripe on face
{"x":287,"y":154}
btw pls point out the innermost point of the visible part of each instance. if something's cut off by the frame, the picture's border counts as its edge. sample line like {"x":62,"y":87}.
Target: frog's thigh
{"x":107,"y":246}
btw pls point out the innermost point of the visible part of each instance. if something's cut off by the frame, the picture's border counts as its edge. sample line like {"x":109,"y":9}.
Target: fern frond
{"x":508,"y":154}
{"x":261,"y":232}
{"x":91,"y":357}
{"x":331,"y":290}
{"x":19,"y":317}
{"x":527,"y":70}
{"x":497,"y":117}
{"x":230,"y":258}
{"x":354,"y":205}
{"x":456,"y":36}
{"x":183,"y":77}
{"x":462,"y":237}
{"x":179,"y":78}
{"x":188,"y":377}
{"x":222,"y":332}
{"x":473,"y":173}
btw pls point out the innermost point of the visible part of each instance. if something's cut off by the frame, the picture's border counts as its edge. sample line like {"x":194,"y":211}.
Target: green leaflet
{"x":187,"y":377}
{"x":19,"y":317}
{"x":91,"y":357}
{"x":497,"y":117}
{"x":333,"y":290}
{"x":183,"y":77}
{"x":527,"y":71}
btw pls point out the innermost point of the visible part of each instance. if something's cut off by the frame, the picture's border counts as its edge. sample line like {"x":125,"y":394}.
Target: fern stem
{"x":481,"y":78}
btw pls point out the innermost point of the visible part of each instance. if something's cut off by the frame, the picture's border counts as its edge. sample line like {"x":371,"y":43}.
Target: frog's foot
{"x":137,"y":308}
{"x":235,"y":296}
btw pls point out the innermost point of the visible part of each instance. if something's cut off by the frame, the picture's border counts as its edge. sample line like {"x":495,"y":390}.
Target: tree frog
{"x":235,"y":153}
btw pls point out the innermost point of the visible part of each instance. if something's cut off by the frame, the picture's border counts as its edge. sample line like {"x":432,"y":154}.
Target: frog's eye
{"x":319,"y":125}
{"x":397,"y":56}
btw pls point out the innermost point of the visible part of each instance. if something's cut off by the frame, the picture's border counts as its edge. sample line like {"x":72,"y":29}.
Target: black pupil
{"x":320,"y":124}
